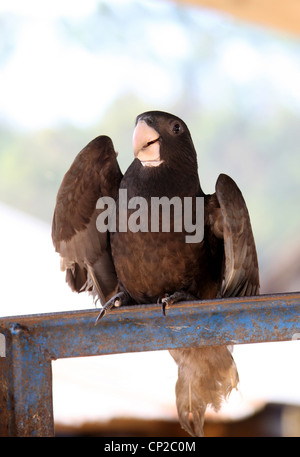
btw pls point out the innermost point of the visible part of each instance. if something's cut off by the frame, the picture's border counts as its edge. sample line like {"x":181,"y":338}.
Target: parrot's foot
{"x":167,"y":300}
{"x":121,"y":298}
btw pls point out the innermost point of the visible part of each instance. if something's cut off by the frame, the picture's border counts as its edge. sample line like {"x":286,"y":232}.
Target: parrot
{"x":135,"y":259}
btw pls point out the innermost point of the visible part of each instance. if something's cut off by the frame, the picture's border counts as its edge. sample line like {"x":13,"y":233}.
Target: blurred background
{"x":72,"y":70}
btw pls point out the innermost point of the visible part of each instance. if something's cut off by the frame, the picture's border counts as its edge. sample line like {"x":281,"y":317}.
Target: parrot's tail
{"x":206,"y":376}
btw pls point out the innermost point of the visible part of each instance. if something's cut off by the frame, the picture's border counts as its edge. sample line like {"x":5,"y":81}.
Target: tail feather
{"x":206,"y":376}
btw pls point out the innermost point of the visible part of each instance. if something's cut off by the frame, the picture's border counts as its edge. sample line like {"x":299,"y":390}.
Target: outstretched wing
{"x":85,"y":252}
{"x":241,"y":274}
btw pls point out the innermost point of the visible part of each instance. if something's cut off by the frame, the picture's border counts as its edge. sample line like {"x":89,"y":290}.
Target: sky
{"x":48,"y":79}
{"x":42,"y":81}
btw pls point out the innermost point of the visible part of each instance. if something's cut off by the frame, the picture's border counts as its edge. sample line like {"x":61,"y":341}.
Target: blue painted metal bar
{"x":29,"y":343}
{"x":26,"y":386}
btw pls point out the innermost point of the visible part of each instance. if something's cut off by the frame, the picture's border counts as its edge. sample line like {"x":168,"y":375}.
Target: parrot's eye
{"x":176,"y":127}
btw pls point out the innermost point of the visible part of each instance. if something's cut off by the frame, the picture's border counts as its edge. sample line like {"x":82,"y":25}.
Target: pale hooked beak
{"x":146,"y":146}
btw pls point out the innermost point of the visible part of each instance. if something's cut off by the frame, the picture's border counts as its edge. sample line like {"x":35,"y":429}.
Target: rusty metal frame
{"x":28,"y":344}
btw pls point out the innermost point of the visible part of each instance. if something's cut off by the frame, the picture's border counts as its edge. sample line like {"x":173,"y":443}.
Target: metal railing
{"x":28,"y":344}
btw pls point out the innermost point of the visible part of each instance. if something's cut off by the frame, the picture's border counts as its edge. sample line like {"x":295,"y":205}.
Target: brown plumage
{"x":85,"y":252}
{"x":150,"y":265}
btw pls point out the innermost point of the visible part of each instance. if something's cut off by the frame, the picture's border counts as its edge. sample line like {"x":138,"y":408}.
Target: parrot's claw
{"x":116,"y":301}
{"x":167,"y":300}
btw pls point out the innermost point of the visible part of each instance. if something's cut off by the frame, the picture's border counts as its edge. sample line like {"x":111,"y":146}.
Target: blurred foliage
{"x":241,"y":131}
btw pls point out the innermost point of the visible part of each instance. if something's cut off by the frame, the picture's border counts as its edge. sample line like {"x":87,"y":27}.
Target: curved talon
{"x":114,"y":302}
{"x":163,"y":307}
{"x":117,"y":300}
{"x":163,"y":300}
{"x":100,"y":315}
{"x":167,"y":300}
{"x":165,"y":304}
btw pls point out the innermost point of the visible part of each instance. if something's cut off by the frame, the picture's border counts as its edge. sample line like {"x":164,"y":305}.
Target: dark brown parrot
{"x":148,"y":266}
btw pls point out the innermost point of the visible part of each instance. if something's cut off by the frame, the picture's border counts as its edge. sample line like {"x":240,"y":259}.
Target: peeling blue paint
{"x":31,"y":342}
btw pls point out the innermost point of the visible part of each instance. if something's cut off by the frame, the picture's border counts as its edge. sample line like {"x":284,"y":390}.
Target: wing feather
{"x":85,"y":252}
{"x":241,"y":273}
